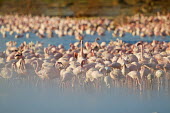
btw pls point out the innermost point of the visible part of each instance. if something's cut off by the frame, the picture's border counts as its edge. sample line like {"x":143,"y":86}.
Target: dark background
{"x":84,"y":7}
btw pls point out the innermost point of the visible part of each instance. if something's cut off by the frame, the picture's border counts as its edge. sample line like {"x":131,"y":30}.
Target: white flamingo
{"x":135,"y":76}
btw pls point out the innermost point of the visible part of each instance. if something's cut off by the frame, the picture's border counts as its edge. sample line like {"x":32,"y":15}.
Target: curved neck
{"x":138,"y":81}
{"x":140,"y":85}
{"x":82,"y":63}
{"x":57,"y":65}
{"x":36,"y":67}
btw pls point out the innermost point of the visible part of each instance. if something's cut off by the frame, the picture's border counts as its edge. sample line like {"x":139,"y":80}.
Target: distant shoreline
{"x":84,"y":8}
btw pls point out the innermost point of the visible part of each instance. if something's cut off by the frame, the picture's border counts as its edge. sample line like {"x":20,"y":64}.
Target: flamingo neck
{"x":124,"y":70}
{"x":82,"y":63}
{"x":82,"y":54}
{"x":139,"y":81}
{"x":120,"y":53}
{"x":142,"y":52}
{"x":92,"y":53}
{"x":36,"y":70}
{"x":140,"y":85}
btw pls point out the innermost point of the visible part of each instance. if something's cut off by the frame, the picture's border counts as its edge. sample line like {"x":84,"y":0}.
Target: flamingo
{"x":159,"y":74}
{"x":95,"y":45}
{"x":19,"y":66}
{"x":135,"y":76}
{"x":141,"y":49}
{"x":7,"y":71}
{"x":107,"y":80}
{"x":67,"y":75}
{"x":49,"y":72}
{"x":116,"y":74}
{"x":81,"y":55}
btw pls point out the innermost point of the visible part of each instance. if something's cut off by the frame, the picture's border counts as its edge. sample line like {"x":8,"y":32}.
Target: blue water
{"x":66,"y":40}
{"x":28,"y":99}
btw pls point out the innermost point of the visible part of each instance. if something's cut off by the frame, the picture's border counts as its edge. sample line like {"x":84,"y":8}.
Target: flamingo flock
{"x":143,"y":26}
{"x":89,"y":63}
{"x":44,"y":26}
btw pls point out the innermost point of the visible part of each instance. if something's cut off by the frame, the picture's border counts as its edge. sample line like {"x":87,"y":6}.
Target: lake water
{"x":24,"y":97}
{"x":66,"y":40}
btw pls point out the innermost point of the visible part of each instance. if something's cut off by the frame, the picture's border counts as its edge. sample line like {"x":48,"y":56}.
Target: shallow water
{"x":66,"y":40}
{"x":23,"y":97}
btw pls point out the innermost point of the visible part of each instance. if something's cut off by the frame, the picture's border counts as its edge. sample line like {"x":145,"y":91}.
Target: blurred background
{"x":79,"y":8}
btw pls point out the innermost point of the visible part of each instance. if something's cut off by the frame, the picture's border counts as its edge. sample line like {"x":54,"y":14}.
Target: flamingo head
{"x":18,"y":55}
{"x":108,"y":69}
{"x":75,"y":55}
{"x":98,"y":38}
{"x":83,"y":62}
{"x":139,"y":43}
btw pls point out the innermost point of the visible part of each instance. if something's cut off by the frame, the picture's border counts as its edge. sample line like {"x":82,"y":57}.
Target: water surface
{"x":24,"y":97}
{"x":66,"y":40}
